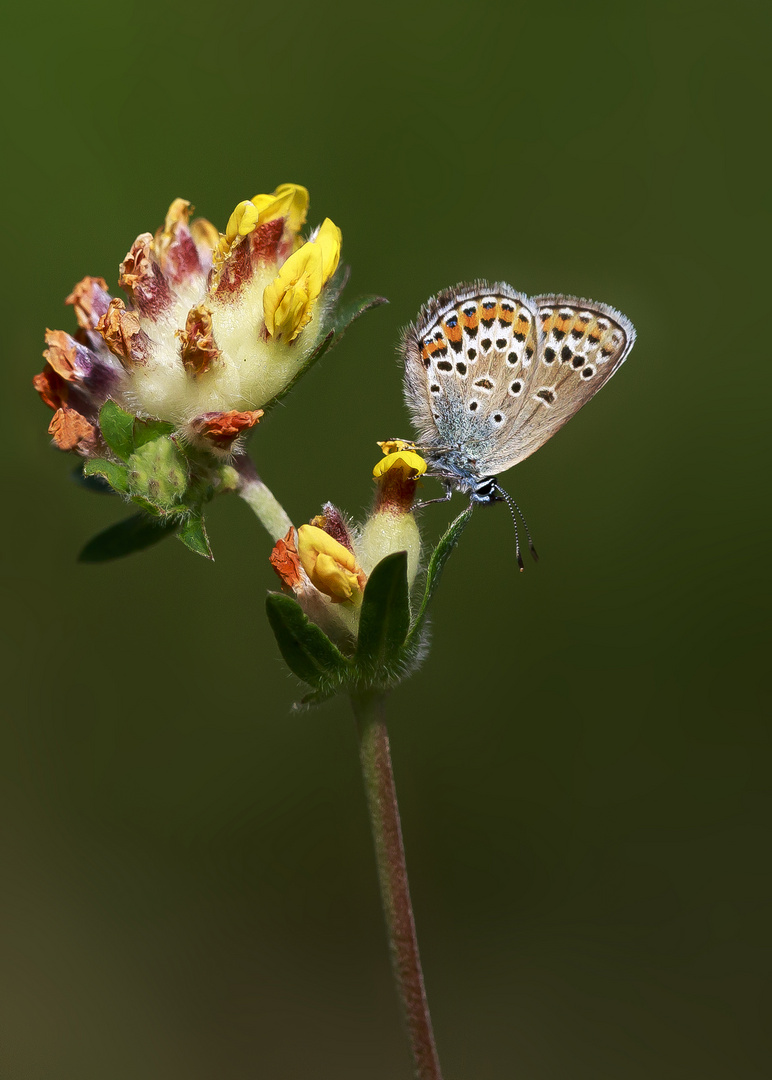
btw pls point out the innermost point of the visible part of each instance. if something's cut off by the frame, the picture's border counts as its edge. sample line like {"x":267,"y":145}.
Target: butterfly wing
{"x":582,"y":344}
{"x":467,"y":347}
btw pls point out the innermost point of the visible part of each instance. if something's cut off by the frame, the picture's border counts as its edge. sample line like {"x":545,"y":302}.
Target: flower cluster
{"x":326,"y":564}
{"x":350,"y":620}
{"x":215,"y":328}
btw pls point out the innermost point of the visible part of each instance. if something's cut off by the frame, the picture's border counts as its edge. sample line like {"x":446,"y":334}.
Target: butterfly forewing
{"x":467,"y":361}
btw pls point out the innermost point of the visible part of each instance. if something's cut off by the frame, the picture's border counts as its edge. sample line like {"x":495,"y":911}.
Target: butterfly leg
{"x":428,"y":502}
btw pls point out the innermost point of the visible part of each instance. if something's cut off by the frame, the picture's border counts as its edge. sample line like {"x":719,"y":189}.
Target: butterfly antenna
{"x":512,"y":504}
{"x":512,"y":508}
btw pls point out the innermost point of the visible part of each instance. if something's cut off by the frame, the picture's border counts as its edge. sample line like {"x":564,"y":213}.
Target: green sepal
{"x":115,"y":475}
{"x":193,"y":535}
{"x":384,"y":620}
{"x":440,"y":556}
{"x":306,"y":649}
{"x":117,"y":429}
{"x":132,"y":534}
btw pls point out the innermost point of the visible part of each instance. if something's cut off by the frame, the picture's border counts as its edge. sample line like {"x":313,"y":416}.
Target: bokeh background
{"x":189,"y":888}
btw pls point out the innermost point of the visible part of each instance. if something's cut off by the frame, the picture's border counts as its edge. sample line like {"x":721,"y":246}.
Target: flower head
{"x":214,"y":329}
{"x":214,"y":324}
{"x":353,"y":619}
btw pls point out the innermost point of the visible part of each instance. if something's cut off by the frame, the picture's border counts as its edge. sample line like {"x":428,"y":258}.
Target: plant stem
{"x":270,"y":513}
{"x":392,"y":873}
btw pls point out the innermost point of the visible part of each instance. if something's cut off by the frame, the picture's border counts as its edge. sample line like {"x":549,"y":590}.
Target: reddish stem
{"x":392,"y":873}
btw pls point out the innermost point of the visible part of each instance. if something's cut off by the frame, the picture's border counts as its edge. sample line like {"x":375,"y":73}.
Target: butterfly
{"x":491,"y":374}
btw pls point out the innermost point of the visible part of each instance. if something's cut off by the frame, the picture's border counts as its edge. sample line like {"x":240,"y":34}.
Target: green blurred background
{"x":189,"y":883}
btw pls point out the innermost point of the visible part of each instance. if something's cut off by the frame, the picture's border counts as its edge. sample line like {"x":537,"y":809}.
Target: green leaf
{"x":117,"y":429}
{"x":115,"y":475}
{"x":440,"y":556}
{"x":151,"y":508}
{"x":315,"y":697}
{"x":342,"y":318}
{"x":385,"y":617}
{"x":95,"y":484}
{"x":307,"y":650}
{"x":193,"y":535}
{"x":348,"y":313}
{"x":145,"y":431}
{"x":133,"y":534}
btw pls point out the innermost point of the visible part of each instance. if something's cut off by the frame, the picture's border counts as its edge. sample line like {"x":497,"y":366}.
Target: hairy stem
{"x":392,"y":873}
{"x":270,"y":513}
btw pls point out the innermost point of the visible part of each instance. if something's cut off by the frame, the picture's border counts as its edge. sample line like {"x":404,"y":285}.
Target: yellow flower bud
{"x":330,"y":566}
{"x":391,"y":526}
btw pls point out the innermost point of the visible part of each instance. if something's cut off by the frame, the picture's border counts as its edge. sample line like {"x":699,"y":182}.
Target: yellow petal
{"x":331,"y":567}
{"x":242,"y":221}
{"x":289,"y":200}
{"x":329,"y":240}
{"x":288,"y":301}
{"x":407,"y":461}
{"x":298,"y":205}
{"x":333,"y":580}
{"x":312,"y":540}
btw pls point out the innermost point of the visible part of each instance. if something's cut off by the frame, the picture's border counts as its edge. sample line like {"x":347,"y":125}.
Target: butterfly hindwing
{"x":583,"y":343}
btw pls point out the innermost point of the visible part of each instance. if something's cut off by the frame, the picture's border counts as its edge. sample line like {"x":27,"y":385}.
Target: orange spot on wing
{"x":429,"y":350}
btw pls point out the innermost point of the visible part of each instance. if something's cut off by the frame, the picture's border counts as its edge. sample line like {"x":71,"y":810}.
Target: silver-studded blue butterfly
{"x":492,"y":374}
